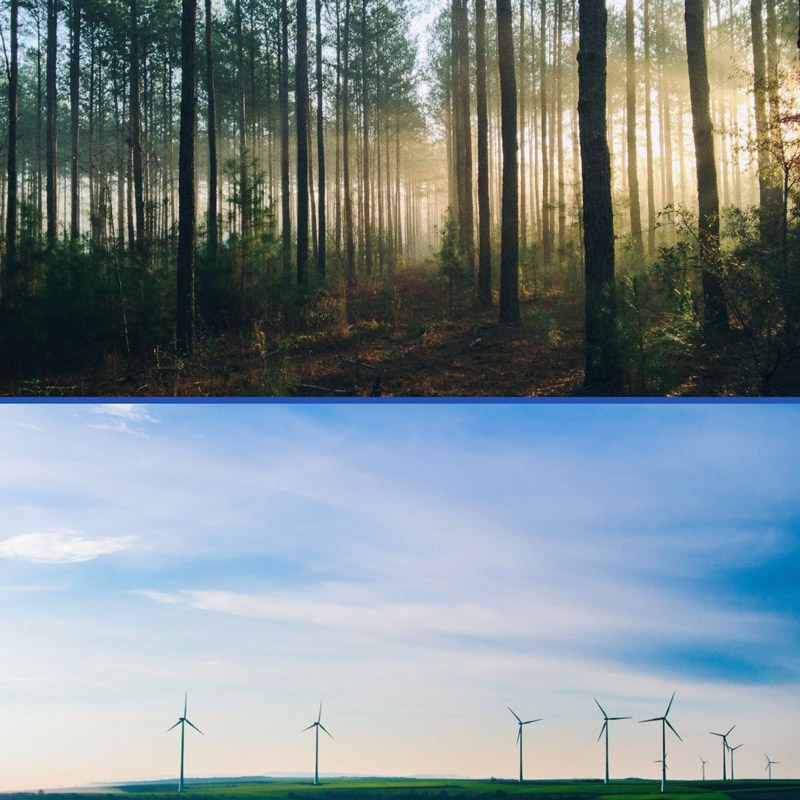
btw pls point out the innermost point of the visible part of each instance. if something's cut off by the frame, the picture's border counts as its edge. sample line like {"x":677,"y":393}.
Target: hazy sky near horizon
{"x":416,"y":567}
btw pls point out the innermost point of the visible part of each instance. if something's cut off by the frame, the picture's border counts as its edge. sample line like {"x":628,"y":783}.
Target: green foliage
{"x":59,"y":312}
{"x":455,"y":276}
{"x":658,"y":326}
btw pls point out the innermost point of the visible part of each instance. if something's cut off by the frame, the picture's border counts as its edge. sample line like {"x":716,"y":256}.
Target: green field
{"x":408,"y":789}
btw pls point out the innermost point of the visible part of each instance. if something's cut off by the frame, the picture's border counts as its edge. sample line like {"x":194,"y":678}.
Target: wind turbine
{"x":724,"y":747}
{"x":317,"y":725}
{"x":606,"y":720}
{"x":768,"y":768}
{"x":519,"y":736}
{"x":704,"y":766}
{"x":664,"y":723}
{"x":730,"y":750}
{"x":183,"y":722}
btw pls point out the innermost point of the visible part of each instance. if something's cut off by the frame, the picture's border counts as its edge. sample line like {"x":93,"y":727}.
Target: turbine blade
{"x":666,"y":713}
{"x":602,"y":710}
{"x":723,"y":735}
{"x":605,"y":724}
{"x":528,"y":722}
{"x":729,"y":732}
{"x":613,"y":718}
{"x":323,"y":728}
{"x":519,"y":733}
{"x":185,"y":702}
{"x":309,"y":727}
{"x":319,"y":716}
{"x":514,"y":713}
{"x":175,"y":725}
{"x":673,"y":729}
{"x":196,"y":728}
{"x":652,"y":719}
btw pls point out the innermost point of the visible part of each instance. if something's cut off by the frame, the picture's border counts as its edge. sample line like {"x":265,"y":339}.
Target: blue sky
{"x":415,"y":567}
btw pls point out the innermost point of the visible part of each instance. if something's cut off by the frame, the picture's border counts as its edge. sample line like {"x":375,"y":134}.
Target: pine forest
{"x":399,"y":197}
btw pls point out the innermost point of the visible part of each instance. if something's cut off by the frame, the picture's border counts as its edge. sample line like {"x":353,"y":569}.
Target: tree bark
{"x":244,"y":184}
{"x":367,"y":222}
{"x":187,"y":198}
{"x":547,"y":251}
{"x":321,"y":216}
{"x":74,"y":76}
{"x":715,"y":314}
{"x":630,"y":99}
{"x":136,"y":130}
{"x":484,"y":223}
{"x":51,"y":190}
{"x":648,"y":121}
{"x":523,"y":215}
{"x":213,"y":236}
{"x":769,"y":192}
{"x":509,"y":230}
{"x":13,"y":112}
{"x":602,"y":375}
{"x":286,"y":219}
{"x":301,"y":121}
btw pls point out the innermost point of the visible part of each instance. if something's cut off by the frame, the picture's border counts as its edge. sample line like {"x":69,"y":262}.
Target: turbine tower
{"x":183,"y":722}
{"x":519,"y":736}
{"x":724,"y":748}
{"x":317,"y":725}
{"x":730,"y":750}
{"x":664,"y":723}
{"x":768,"y":768}
{"x":704,"y":762}
{"x":606,"y":720}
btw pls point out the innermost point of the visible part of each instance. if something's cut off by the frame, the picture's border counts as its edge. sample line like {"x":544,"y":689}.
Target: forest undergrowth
{"x":415,"y":333}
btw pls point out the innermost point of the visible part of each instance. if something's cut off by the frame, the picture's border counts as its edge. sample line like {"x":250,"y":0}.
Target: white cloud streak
{"x":61,"y":547}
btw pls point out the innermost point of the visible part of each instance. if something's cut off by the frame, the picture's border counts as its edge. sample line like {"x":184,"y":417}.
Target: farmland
{"x":411,"y":789}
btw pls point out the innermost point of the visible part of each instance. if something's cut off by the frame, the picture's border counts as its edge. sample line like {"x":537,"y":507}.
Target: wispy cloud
{"x":116,"y":427}
{"x":134,"y":412}
{"x":61,"y":546}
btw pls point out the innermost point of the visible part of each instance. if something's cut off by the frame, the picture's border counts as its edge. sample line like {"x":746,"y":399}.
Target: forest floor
{"x":405,"y":342}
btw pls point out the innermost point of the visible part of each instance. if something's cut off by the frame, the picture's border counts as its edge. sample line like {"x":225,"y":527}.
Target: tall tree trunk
{"x":559,"y":127}
{"x":286,"y":219}
{"x":509,"y":230}
{"x":630,"y":98}
{"x":522,"y":72}
{"x":350,"y":256}
{"x":337,"y":131}
{"x":602,"y":375}
{"x":301,"y":120}
{"x":547,"y":252}
{"x":39,"y":147}
{"x":484,"y":224}
{"x":136,"y":129}
{"x":715,"y":313}
{"x":466,"y":213}
{"x":50,"y":132}
{"x":769,"y":192}
{"x":367,"y":222}
{"x":187,"y":199}
{"x":244,"y":184}
{"x":213,"y":236}
{"x":13,"y":99}
{"x":74,"y":76}
{"x":651,"y":203}
{"x":321,"y":223}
